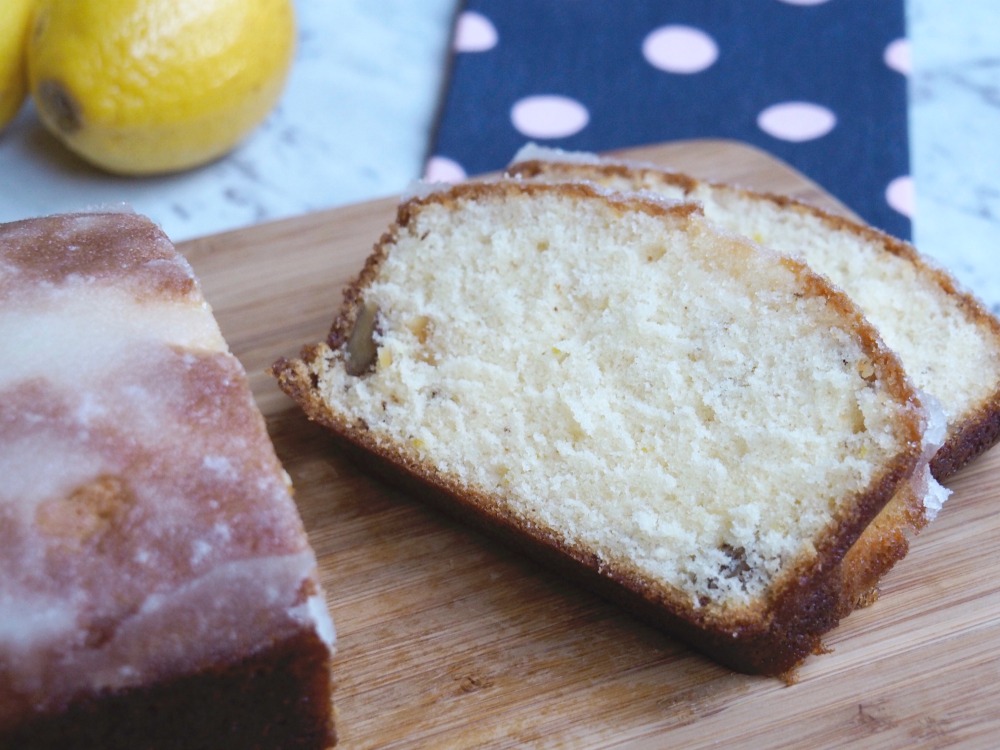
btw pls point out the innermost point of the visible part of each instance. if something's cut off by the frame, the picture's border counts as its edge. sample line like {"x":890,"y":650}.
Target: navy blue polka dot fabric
{"x":820,"y":84}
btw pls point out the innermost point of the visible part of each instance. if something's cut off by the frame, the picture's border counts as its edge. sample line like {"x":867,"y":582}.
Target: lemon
{"x":153,"y":86}
{"x":14,"y":20}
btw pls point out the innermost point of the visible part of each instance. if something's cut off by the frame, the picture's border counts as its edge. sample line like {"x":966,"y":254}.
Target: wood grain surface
{"x":446,"y":639}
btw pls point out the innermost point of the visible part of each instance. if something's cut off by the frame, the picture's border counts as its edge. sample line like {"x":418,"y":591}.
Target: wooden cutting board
{"x":447,"y":639}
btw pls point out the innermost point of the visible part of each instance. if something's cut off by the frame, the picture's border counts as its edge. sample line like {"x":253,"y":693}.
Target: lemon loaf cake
{"x":157,"y":589}
{"x":948,"y":342}
{"x":694,"y":426}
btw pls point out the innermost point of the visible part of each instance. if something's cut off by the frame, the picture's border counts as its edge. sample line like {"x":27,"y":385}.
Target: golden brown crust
{"x":273,"y":700}
{"x":884,"y":543}
{"x":771,"y":638}
{"x":970,"y":438}
{"x":472,"y":191}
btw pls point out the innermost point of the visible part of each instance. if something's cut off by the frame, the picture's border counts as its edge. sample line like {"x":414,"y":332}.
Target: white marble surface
{"x":955,"y":138}
{"x":353,"y":124}
{"x":358,"y":109}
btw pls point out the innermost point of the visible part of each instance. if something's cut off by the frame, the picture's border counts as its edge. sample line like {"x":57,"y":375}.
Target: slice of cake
{"x":157,"y":588}
{"x":694,"y":426}
{"x":948,"y":342}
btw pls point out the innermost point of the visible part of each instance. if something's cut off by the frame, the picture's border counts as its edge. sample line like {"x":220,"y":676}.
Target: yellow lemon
{"x":14,"y":20}
{"x":151,"y":86}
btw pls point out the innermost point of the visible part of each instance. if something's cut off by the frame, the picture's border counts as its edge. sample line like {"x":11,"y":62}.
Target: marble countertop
{"x":358,"y":110}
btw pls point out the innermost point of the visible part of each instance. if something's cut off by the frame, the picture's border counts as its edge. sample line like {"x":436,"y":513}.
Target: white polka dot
{"x":804,"y":2}
{"x":901,"y":195}
{"x":474,"y":32}
{"x":796,"y":121}
{"x":897,"y":56}
{"x":549,"y":116}
{"x":679,"y":49}
{"x":443,"y":169}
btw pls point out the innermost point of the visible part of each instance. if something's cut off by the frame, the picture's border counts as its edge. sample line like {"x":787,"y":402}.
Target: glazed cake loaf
{"x":157,"y":589}
{"x":696,"y":427}
{"x":948,"y":342}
